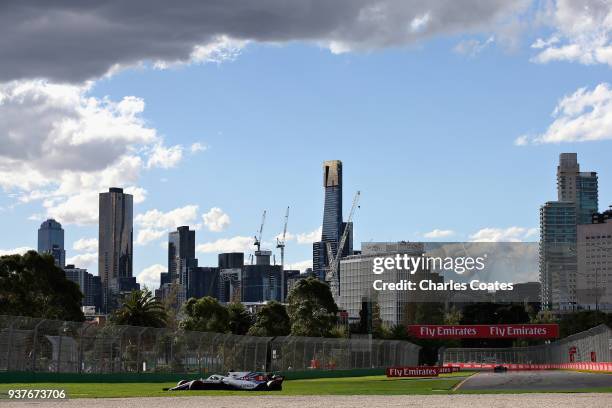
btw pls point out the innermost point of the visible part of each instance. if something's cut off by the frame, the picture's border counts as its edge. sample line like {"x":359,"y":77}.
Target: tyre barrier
{"x":596,"y":367}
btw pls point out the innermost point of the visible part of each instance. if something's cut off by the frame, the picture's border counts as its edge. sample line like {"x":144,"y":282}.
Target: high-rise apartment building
{"x":115,"y":250}
{"x":333,"y":226}
{"x":577,"y":194}
{"x":594,"y":275}
{"x":51,"y":241}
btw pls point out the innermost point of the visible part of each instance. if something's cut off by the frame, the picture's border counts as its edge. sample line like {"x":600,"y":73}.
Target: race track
{"x":536,"y":380}
{"x":337,"y":401}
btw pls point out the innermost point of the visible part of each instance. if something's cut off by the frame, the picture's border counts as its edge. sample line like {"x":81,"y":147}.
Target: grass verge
{"x":372,"y":385}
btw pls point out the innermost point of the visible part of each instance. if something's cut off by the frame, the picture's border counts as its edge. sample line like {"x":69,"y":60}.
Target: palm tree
{"x":141,"y":308}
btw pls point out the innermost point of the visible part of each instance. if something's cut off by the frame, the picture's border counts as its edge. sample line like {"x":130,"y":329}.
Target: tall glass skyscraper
{"x":577,"y":194}
{"x":115,"y":250}
{"x":332,"y":211}
{"x":51,"y":241}
{"x":333,"y":227}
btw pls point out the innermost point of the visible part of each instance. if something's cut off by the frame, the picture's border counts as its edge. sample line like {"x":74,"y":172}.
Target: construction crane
{"x":280,"y":243}
{"x":257,"y":242}
{"x":334,"y":261}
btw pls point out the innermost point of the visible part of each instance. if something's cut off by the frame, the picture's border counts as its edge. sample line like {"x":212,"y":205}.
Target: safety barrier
{"x":53,"y":346}
{"x":590,"y":350}
{"x":600,"y":367}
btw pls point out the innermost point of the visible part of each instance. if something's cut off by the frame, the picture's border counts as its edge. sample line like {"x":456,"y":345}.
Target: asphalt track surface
{"x":337,"y":401}
{"x":536,"y":380}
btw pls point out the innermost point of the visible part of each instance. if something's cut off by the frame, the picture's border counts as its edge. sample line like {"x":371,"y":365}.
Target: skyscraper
{"x":89,"y":284}
{"x":51,"y":241}
{"x":594,"y":277}
{"x":181,"y":257}
{"x":577,"y":194}
{"x":333,"y":227}
{"x":115,"y":251}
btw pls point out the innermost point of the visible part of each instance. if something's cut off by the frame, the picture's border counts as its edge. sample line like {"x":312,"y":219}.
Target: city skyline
{"x":450,"y":130}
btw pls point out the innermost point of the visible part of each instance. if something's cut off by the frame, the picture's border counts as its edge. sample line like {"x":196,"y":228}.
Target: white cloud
{"x":438,"y":233}
{"x":521,"y":140}
{"x":301,"y":265}
{"x":216,"y":220}
{"x":167,"y":220}
{"x":63,"y":146}
{"x":234,"y":244}
{"x":580,"y":117}
{"x":147,"y":235}
{"x":86,"y":244}
{"x":198,"y":147}
{"x":419,"y":23}
{"x":165,"y":157}
{"x":541,"y":43}
{"x":154,"y":224}
{"x":16,"y":251}
{"x":149,"y":276}
{"x":583,"y":33}
{"x":473,"y":47}
{"x":310,"y":237}
{"x":85,"y":261}
{"x":139,"y":194}
{"x":510,"y":234}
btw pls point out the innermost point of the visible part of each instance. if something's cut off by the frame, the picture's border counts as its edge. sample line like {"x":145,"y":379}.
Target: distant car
{"x":234,"y":380}
{"x":500,"y":369}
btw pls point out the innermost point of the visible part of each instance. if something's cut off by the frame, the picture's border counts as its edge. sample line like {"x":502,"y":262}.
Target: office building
{"x":51,"y":241}
{"x":231,"y":260}
{"x":181,"y":258}
{"x":356,"y":282}
{"x":90,"y":285}
{"x":291,"y":278}
{"x":115,"y":250}
{"x":577,"y":201}
{"x":248,"y":283}
{"x":522,"y":292}
{"x":333,"y":225}
{"x":181,"y":249}
{"x":203,"y":281}
{"x":594,"y":275}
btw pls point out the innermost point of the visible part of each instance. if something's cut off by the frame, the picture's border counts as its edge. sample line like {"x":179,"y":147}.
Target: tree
{"x":239,"y":318}
{"x":580,"y":321}
{"x":312,"y":310}
{"x":32,"y":285}
{"x":453,"y":316}
{"x":493,"y":313}
{"x":272,"y":320}
{"x":370,"y":321}
{"x":141,"y":308}
{"x":205,"y":314}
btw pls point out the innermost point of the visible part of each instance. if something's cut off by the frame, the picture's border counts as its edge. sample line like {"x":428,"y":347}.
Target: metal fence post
{"x":9,"y":346}
{"x":59,"y":354}
{"x":35,"y":345}
{"x":138,"y":365}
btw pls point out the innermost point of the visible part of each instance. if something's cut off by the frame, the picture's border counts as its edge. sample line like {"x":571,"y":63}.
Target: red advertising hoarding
{"x":485,"y":331}
{"x":420,"y":371}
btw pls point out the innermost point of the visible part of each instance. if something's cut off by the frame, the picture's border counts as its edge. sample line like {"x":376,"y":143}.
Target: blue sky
{"x":427,"y":133}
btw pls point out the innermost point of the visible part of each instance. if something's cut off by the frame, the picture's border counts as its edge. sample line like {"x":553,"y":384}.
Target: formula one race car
{"x":500,"y":369}
{"x":234,"y":380}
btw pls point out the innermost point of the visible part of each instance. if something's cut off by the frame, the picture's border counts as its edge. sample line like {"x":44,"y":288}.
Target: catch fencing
{"x":43,"y":345}
{"x":590,"y":346}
